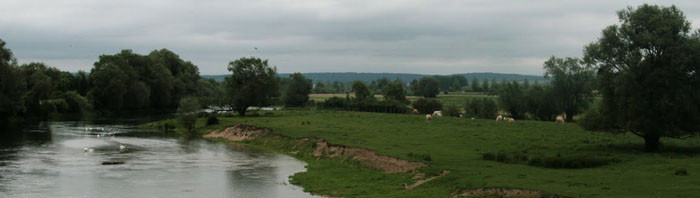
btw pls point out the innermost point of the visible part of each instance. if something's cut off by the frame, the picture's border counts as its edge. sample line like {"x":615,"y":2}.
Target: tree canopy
{"x":572,"y":84}
{"x":647,"y":68}
{"x":252,"y":83}
{"x":428,"y":87}
{"x":296,"y":93}
{"x":360,"y":89}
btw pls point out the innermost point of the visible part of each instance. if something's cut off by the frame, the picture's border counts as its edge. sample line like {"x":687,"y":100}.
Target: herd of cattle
{"x":429,"y":117}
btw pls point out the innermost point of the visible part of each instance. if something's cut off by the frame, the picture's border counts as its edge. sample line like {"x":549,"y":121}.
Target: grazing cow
{"x":560,"y":119}
{"x":415,"y":111}
{"x":428,"y":117}
{"x":499,"y":118}
{"x":437,"y":113}
{"x":509,"y":119}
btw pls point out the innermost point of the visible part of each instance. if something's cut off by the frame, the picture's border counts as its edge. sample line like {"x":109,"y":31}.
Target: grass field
{"x":459,"y":145}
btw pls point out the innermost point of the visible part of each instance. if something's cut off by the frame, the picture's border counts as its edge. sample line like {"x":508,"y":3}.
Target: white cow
{"x":509,"y":119}
{"x":560,"y":119}
{"x":428,"y":117}
{"x":499,"y":118}
{"x":437,"y":113}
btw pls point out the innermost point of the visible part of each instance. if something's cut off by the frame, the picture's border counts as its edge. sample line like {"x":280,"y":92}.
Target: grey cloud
{"x":414,"y":36}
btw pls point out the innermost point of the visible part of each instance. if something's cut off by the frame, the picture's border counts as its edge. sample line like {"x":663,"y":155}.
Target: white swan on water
{"x":121,"y":147}
{"x":89,"y":150}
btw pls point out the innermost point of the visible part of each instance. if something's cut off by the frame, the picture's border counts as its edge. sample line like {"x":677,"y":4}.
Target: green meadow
{"x":554,"y":158}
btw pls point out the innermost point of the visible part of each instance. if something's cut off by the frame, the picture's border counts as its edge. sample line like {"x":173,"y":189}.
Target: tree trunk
{"x":242,"y":110}
{"x":651,"y":144}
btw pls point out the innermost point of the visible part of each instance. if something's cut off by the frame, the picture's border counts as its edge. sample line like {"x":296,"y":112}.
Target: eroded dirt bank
{"x":241,"y":132}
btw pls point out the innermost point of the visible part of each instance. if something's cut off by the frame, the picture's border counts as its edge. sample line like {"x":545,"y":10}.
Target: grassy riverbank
{"x":559,"y":159}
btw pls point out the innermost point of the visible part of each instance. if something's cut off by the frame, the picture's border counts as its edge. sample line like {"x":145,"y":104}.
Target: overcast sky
{"x":403,"y":36}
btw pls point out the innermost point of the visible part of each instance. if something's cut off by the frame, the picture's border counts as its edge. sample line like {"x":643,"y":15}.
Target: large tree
{"x":572,"y":84}
{"x":428,"y":87}
{"x":647,"y":68}
{"x":12,"y":86}
{"x":296,"y":93}
{"x":394,"y":91}
{"x":252,"y":83}
{"x":360,"y":89}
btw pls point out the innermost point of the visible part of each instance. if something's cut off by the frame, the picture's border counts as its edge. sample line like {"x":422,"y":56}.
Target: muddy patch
{"x":241,"y":132}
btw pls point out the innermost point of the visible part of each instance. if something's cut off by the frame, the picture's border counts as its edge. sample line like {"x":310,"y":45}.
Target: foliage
{"x":647,"y":68}
{"x":12,"y":86}
{"x":451,"y":110}
{"x":483,"y":107}
{"x":187,"y":112}
{"x":538,"y":102}
{"x":512,"y":99}
{"x":427,"y":87}
{"x":129,"y":81}
{"x":427,"y":105}
{"x":572,"y":85}
{"x":296,"y":94}
{"x":366,"y":105}
{"x":394,"y":91}
{"x":253,"y":83}
{"x":360,"y":89}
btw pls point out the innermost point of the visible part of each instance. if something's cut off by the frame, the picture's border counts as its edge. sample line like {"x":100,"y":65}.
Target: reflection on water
{"x":65,"y":159}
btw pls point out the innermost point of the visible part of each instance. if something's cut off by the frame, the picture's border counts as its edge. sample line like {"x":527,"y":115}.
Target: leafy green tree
{"x":395,"y":91}
{"x":381,"y":83}
{"x":253,"y":83}
{"x":538,"y":102}
{"x":109,"y":87}
{"x":428,"y":87}
{"x":296,"y":94}
{"x":12,"y":86}
{"x":647,"y":69}
{"x":512,"y":99}
{"x":82,"y":83}
{"x":572,"y":84}
{"x":485,"y":85}
{"x":187,"y":113}
{"x":475,"y":84}
{"x":360,"y":89}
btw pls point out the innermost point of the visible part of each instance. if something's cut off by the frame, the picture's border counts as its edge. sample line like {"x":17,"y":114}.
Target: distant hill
{"x":368,"y":77}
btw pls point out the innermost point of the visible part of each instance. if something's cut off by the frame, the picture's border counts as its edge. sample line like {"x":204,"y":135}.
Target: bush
{"x":451,"y":110}
{"x":481,"y":107}
{"x":427,"y":105}
{"x":334,"y":102}
{"x":593,"y":119}
{"x":212,"y":119}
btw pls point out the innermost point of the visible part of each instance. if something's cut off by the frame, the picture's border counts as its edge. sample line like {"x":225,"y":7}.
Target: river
{"x":65,"y":159}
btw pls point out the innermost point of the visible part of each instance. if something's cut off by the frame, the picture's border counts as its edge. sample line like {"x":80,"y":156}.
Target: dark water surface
{"x":49,"y":160}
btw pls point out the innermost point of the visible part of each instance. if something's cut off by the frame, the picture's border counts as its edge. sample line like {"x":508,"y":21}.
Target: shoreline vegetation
{"x":529,"y":158}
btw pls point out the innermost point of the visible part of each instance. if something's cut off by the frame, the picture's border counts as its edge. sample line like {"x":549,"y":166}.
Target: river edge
{"x":315,"y":151}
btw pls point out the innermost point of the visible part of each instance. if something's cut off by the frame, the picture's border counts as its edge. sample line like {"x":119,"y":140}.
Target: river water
{"x":51,"y":160}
